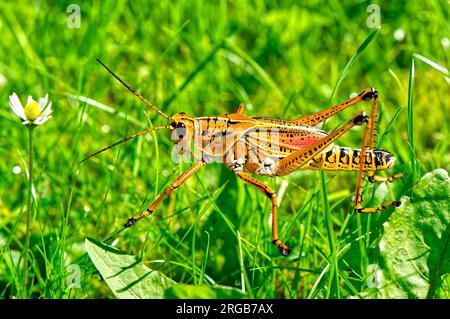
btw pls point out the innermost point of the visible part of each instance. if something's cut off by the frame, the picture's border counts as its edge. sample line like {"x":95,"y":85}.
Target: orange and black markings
{"x":273,"y":147}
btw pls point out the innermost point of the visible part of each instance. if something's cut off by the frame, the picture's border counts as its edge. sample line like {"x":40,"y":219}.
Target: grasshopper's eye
{"x":181,"y":130}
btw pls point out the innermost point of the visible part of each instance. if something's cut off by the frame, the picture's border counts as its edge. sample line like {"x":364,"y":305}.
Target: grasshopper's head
{"x":182,"y":127}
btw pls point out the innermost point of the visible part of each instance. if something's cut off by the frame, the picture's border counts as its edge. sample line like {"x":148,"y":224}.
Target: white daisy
{"x":36,"y":113}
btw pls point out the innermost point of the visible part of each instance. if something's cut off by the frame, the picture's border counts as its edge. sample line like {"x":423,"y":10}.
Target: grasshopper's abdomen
{"x":347,"y":159}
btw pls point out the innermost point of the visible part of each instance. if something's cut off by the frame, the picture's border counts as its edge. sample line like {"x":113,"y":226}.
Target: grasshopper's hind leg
{"x":175,"y":184}
{"x":300,"y":158}
{"x":369,"y":133}
{"x":318,"y":117}
{"x":270,"y":193}
{"x":367,"y":94}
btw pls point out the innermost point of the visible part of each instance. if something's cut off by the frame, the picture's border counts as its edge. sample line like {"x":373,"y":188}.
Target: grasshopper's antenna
{"x":123,"y":141}
{"x":143,"y":99}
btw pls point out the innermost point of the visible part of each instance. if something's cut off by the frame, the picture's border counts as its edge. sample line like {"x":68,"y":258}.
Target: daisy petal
{"x":43,"y":102}
{"x":48,"y":110}
{"x":16,"y":106}
{"x":41,"y":120}
{"x":38,"y":121}
{"x":29,"y":100}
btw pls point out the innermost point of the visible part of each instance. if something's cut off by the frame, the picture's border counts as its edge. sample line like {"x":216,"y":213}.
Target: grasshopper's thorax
{"x":347,"y":159}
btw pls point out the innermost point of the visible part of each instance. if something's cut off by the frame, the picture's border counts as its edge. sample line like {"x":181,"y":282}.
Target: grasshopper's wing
{"x":279,"y":138}
{"x":216,"y":135}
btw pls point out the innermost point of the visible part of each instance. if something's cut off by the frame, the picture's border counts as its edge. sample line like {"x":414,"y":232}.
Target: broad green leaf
{"x":182,"y":291}
{"x":415,"y":245}
{"x":125,"y":275}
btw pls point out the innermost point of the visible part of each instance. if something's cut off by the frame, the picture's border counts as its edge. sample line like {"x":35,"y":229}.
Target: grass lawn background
{"x":204,"y":58}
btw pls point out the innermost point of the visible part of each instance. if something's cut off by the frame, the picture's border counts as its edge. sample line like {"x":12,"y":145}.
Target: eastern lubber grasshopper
{"x":272,"y":147}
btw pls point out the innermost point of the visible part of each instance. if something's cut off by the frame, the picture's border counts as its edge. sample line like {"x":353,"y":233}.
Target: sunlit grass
{"x":203,"y":59}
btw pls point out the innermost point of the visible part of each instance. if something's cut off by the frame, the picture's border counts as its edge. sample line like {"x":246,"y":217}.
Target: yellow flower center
{"x":32,"y":111}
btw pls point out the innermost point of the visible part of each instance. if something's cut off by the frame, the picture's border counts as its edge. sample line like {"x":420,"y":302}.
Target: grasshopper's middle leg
{"x":380,"y":179}
{"x":270,"y":193}
{"x":175,"y":184}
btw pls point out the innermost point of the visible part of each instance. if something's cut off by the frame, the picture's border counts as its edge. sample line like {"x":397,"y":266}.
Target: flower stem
{"x":30,"y":205}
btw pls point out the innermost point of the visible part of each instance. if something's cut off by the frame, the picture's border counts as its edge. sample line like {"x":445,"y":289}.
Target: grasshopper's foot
{"x":396,"y":203}
{"x":377,"y":209}
{"x":284,"y":250}
{"x":130,"y":222}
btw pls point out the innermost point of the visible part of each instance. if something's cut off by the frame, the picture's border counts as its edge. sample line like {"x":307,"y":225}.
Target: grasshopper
{"x":272,"y":147}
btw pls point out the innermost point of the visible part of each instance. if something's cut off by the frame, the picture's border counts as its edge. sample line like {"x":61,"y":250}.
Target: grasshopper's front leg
{"x":175,"y":184}
{"x":270,"y":193}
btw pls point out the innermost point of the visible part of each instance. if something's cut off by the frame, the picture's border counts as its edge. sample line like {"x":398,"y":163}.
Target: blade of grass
{"x":388,"y":127}
{"x":410,"y":123}
{"x":433,"y":64}
{"x":241,"y":264}
{"x":205,"y":260}
{"x":358,"y":52}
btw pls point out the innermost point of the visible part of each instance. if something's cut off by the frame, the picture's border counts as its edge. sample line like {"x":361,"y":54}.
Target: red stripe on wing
{"x":301,"y":142}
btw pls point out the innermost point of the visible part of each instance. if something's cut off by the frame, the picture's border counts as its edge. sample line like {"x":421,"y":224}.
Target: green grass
{"x":204,"y":58}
